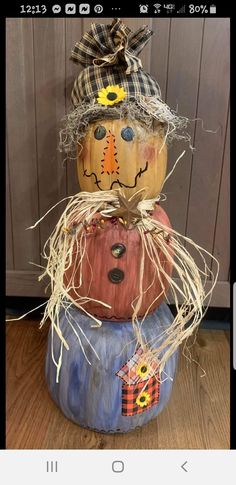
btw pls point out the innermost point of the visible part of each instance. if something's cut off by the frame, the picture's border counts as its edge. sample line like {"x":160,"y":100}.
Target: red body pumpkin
{"x":115,"y":280}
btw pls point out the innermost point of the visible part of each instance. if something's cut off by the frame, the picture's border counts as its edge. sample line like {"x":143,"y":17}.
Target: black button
{"x":118,"y":250}
{"x":116,"y":275}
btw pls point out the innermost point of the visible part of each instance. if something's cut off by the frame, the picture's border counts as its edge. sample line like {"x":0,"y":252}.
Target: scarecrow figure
{"x":113,"y":343}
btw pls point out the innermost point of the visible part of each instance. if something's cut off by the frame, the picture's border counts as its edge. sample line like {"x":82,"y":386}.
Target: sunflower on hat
{"x":111,"y":95}
{"x":113,"y":83}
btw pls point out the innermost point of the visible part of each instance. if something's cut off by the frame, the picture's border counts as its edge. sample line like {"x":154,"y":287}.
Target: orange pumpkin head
{"x":122,"y":153}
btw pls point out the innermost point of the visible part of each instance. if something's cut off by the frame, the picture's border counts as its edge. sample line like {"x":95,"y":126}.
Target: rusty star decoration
{"x":128,"y":210}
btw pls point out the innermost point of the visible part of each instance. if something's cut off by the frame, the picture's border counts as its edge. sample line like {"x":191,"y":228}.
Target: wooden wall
{"x":190,"y":60}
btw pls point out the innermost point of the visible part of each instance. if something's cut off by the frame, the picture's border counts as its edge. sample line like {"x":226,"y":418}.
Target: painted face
{"x":121,"y":153}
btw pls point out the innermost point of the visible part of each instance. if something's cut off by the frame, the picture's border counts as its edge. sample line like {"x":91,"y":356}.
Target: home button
{"x":118,"y":466}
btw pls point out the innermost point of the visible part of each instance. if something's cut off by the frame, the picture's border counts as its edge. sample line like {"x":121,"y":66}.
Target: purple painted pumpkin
{"x":114,"y":392}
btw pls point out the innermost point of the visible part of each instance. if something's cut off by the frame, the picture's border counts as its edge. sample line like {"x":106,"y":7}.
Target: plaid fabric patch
{"x":92,"y":79}
{"x":139,"y":397}
{"x":109,"y":55}
{"x":111,"y":44}
{"x":129,"y":372}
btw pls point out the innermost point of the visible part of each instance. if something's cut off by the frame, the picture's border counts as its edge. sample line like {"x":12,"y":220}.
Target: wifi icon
{"x":157,"y":8}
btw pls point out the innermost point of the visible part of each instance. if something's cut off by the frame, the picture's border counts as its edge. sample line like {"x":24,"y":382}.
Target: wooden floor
{"x":197,"y":415}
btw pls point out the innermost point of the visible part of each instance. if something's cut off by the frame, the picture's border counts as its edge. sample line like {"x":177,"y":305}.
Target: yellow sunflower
{"x":143,"y":399}
{"x":143,"y":370}
{"x":111,"y":95}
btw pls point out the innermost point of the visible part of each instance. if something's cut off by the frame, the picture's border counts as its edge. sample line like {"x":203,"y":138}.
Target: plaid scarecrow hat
{"x":112,"y":69}
{"x":113,"y":84}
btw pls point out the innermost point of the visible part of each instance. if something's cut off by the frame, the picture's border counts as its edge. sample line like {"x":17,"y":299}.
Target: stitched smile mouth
{"x":121,"y":184}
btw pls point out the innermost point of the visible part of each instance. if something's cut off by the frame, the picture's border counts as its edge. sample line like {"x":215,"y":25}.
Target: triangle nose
{"x":109,"y":162}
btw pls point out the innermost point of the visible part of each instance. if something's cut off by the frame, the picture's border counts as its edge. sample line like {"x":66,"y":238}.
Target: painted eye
{"x":127,"y":133}
{"x":100,"y":132}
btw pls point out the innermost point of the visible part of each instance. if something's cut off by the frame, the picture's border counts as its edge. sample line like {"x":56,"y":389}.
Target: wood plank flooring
{"x":197,"y":416}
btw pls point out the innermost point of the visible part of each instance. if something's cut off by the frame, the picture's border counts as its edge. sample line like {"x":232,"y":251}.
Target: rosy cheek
{"x":149,"y":153}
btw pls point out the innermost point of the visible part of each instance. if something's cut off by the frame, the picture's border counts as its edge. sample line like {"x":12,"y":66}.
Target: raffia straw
{"x":173,"y":168}
{"x":192,"y":292}
{"x":149,"y":111}
{"x":58,"y":251}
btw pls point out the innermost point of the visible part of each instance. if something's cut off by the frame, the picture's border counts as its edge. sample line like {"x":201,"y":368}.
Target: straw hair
{"x":149,"y":111}
{"x":155,"y":236}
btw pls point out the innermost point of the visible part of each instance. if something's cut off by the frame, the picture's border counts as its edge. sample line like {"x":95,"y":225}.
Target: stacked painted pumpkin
{"x":111,"y":155}
{"x":110,"y":381}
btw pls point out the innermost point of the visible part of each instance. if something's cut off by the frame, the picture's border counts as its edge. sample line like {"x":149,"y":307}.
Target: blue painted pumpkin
{"x":111,"y":394}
